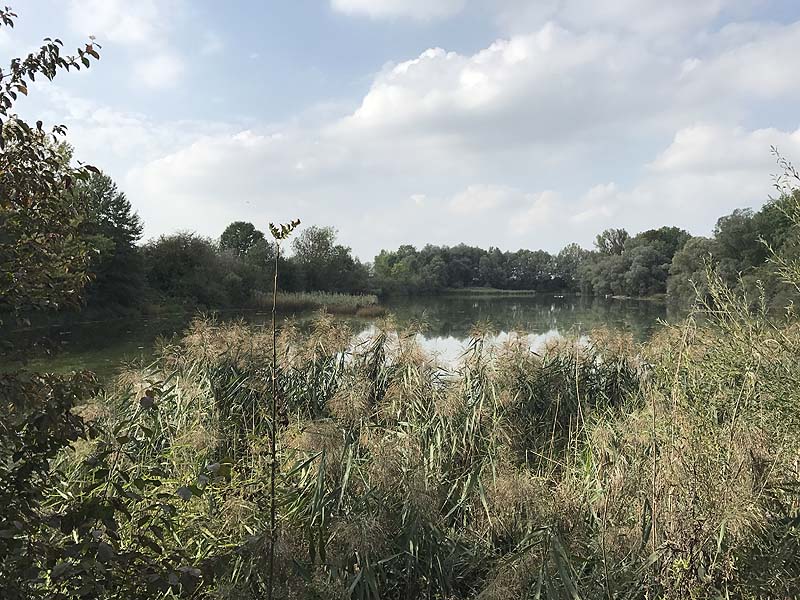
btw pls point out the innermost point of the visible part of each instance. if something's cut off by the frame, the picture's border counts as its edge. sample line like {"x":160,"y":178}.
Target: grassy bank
{"x":616,"y":470}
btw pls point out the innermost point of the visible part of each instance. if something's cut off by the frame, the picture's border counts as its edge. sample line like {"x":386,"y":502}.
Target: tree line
{"x":188,"y":269}
{"x":184,"y":268}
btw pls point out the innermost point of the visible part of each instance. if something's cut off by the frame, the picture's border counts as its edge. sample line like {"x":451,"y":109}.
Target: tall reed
{"x":584,"y":469}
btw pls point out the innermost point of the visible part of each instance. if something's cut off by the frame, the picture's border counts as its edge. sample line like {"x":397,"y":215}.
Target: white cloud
{"x":415,"y":9}
{"x":158,"y":71}
{"x":118,"y":20}
{"x":548,"y":84}
{"x":537,"y":214}
{"x":713,"y":148}
{"x":513,"y":145}
{"x":478,"y":199}
{"x":758,"y":66}
{"x":708,"y":170}
{"x":598,"y":204}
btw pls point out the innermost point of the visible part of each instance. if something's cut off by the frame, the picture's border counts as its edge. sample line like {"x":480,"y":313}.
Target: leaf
{"x":60,"y":570}
{"x":104,"y":552}
{"x":647,"y":523}
{"x":146,"y":541}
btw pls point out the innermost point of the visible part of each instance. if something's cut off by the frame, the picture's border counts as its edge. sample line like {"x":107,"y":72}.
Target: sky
{"x":506,"y":123}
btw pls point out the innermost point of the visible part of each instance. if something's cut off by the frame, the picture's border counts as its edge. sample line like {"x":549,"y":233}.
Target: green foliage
{"x":239,"y":272}
{"x":43,"y":261}
{"x":744,"y":245}
{"x":340,"y":304}
{"x":186,"y":267}
{"x":632,"y":266}
{"x":60,"y":538}
{"x":586,"y":469}
{"x":437,"y":268}
{"x":687,"y":275}
{"x":240,"y":238}
{"x":325,"y":265}
{"x":112,"y":227}
{"x":611,"y":241}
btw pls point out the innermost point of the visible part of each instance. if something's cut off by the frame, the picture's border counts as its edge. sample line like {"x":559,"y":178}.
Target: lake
{"x":105,"y":346}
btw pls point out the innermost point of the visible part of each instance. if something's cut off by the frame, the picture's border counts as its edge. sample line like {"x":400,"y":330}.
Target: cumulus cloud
{"x":145,"y":27}
{"x":541,"y":138}
{"x":757,"y":66}
{"x":549,"y":84}
{"x":415,"y":9}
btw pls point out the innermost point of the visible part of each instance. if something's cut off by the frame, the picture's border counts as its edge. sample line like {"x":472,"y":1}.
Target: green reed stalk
{"x":279,"y":233}
{"x":272,"y":434}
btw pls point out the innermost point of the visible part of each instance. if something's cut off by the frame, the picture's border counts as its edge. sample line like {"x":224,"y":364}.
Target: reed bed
{"x":341,"y":304}
{"x":606,"y":469}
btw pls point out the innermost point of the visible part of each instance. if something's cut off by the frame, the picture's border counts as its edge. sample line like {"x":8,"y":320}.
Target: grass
{"x":600,"y":470}
{"x":339,"y":304}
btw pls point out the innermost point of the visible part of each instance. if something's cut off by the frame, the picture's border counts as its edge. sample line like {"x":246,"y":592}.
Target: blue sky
{"x":513,"y":123}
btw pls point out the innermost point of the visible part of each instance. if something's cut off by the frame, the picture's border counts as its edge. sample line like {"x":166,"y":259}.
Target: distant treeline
{"x":234,"y":270}
{"x":660,"y":261}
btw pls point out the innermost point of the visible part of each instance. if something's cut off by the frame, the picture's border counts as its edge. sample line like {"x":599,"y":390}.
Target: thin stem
{"x":273,"y":527}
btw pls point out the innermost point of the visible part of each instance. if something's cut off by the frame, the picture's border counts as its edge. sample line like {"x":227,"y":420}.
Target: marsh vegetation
{"x":600,"y":469}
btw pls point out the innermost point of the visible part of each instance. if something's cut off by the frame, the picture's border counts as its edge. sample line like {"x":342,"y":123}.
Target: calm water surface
{"x":106,"y":346}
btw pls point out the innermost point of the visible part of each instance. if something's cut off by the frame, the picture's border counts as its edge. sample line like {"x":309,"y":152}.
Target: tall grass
{"x":606,"y":469}
{"x":342,"y":304}
{"x":600,"y":470}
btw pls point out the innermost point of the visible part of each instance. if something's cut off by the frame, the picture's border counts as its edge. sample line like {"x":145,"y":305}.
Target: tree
{"x":647,"y":272}
{"x":567,"y":264}
{"x":313,"y":251}
{"x":738,"y":246}
{"x":43,"y":260}
{"x":603,"y":274}
{"x":688,"y":270}
{"x":186,"y":267}
{"x":239,"y":238}
{"x":531,"y":270}
{"x":611,"y":241}
{"x":491,"y":269}
{"x":113,"y":228}
{"x":326,"y":265}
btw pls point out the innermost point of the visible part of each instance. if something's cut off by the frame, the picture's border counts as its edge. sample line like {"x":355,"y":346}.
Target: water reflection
{"x":447,"y":321}
{"x":448,"y":350}
{"x":455,"y":316}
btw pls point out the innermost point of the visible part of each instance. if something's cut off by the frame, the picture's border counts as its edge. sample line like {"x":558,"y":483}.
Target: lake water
{"x":105,"y":346}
